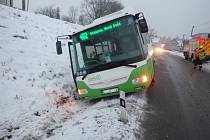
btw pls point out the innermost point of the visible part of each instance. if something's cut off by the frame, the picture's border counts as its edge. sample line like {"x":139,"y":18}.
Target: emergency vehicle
{"x":201,"y":40}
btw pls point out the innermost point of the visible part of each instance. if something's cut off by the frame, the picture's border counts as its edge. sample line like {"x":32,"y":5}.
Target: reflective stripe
{"x":201,"y":55}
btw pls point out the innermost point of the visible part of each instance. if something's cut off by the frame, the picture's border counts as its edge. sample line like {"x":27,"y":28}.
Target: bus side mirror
{"x":58,"y":47}
{"x":143,"y":25}
{"x":70,"y":43}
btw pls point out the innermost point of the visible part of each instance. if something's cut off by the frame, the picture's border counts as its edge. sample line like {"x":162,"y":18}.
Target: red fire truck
{"x":201,"y":40}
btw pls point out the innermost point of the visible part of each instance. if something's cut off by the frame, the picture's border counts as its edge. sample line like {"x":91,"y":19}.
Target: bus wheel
{"x":153,"y":81}
{"x":75,"y":95}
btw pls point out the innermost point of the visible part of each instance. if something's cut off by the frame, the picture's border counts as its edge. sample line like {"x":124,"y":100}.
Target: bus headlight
{"x":159,"y":50}
{"x":82,"y":91}
{"x":144,"y":79}
{"x":140,"y":80}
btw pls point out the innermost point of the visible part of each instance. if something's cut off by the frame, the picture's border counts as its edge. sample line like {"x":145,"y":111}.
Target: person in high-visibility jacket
{"x":200,"y":56}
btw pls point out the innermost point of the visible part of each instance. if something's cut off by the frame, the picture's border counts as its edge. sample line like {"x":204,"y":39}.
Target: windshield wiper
{"x":84,"y":76}
{"x":129,"y":65}
{"x":96,"y":67}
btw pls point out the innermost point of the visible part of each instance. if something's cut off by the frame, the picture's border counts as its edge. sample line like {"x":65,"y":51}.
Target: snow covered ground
{"x":180,"y":54}
{"x":36,"y":87}
{"x":100,"y":121}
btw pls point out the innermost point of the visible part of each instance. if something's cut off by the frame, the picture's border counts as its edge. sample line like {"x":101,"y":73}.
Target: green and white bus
{"x":111,"y":55}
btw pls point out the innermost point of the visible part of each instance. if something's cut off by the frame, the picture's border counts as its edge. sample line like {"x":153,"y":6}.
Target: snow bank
{"x":35,"y":84}
{"x":180,"y":54}
{"x":31,"y":74}
{"x":100,"y":122}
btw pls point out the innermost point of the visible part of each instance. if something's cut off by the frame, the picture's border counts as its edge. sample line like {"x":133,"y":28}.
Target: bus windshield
{"x":107,"y":43}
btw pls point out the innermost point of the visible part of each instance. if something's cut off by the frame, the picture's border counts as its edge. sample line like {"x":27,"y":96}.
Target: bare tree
{"x":84,"y":20}
{"x":72,"y":16}
{"x":58,"y":13}
{"x":152,"y":33}
{"x":73,"y":13}
{"x":81,"y":19}
{"x":65,"y":18}
{"x":49,"y":11}
{"x":93,"y":9}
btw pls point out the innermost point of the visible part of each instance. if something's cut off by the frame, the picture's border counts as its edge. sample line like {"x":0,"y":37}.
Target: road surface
{"x":178,"y":104}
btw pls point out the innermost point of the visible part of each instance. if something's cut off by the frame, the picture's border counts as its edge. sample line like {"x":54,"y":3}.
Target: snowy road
{"x":178,"y":105}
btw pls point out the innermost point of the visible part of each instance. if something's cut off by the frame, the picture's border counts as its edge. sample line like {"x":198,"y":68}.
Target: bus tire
{"x":152,"y":82}
{"x":75,"y":95}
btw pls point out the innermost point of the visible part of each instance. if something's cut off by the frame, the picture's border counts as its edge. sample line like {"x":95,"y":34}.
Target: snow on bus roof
{"x":107,"y":18}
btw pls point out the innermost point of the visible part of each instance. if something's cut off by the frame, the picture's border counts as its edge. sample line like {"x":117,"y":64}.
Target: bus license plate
{"x":108,"y":91}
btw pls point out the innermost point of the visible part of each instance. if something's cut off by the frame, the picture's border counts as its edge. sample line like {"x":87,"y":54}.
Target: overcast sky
{"x":168,"y":17}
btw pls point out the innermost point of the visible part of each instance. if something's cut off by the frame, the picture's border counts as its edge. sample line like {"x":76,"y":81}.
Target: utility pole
{"x":27,"y":4}
{"x":183,"y":37}
{"x":58,"y":13}
{"x":23,"y":5}
{"x":11,"y":3}
{"x":192,"y":30}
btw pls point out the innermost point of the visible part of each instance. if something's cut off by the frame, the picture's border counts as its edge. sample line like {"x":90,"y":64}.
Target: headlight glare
{"x":82,"y":91}
{"x":141,"y":80}
{"x":144,"y":79}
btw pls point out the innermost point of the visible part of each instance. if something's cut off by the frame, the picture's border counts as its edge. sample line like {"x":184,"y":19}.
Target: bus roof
{"x":107,"y":18}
